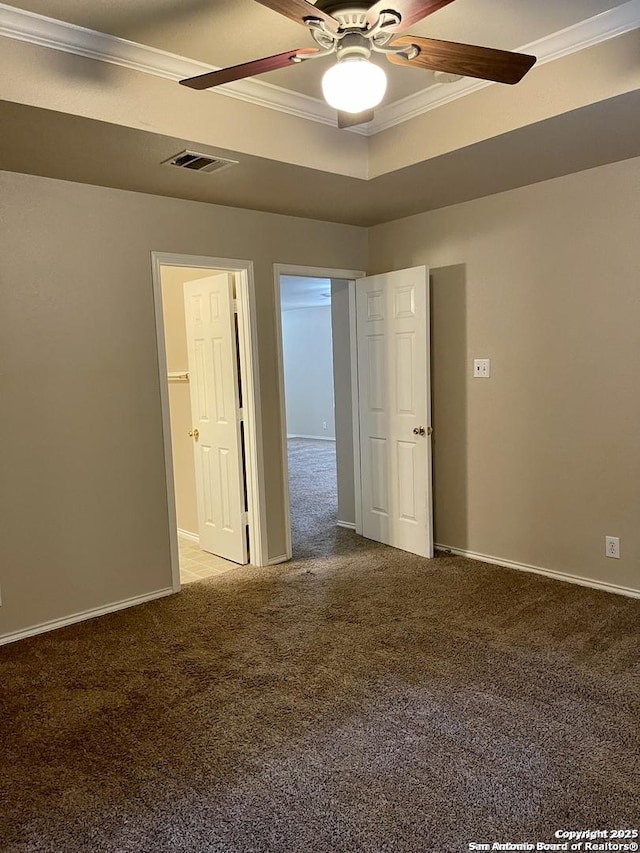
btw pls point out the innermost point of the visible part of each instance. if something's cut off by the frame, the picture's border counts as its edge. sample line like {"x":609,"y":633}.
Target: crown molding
{"x":43,"y":31}
{"x":585,"y":34}
{"x":40,"y":30}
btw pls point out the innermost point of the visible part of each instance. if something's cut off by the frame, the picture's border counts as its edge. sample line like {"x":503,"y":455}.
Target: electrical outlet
{"x":612,"y":547}
{"x":482,"y":368}
{"x":324,"y":424}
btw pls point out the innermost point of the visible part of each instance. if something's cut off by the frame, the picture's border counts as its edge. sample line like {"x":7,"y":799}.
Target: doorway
{"x":211,"y":417}
{"x":307,"y":345}
{"x":313,"y":308}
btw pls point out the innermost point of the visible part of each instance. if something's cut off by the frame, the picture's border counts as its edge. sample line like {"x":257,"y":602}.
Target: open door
{"x":217,"y":416}
{"x":394,"y":407}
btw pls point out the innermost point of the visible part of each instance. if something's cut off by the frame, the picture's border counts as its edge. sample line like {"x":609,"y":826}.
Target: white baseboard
{"x":281,"y":559}
{"x":549,"y":573}
{"x":349,"y":525}
{"x":186,"y":534}
{"x":82,"y":617}
{"x":314,"y":437}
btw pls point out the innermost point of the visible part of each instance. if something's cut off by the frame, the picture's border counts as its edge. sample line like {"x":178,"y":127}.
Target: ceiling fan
{"x":353,"y":30}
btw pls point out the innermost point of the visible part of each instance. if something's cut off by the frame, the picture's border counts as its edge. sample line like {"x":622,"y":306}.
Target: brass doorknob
{"x":194,"y":433}
{"x":419,"y":430}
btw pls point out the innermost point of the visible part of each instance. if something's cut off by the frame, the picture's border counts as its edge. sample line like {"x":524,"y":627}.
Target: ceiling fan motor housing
{"x":353,"y":46}
{"x":349,"y":15}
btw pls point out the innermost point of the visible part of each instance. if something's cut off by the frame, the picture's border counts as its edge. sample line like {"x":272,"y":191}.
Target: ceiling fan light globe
{"x":354,"y":85}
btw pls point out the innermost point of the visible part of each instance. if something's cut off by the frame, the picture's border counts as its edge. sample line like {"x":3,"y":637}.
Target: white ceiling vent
{"x":198,"y":162}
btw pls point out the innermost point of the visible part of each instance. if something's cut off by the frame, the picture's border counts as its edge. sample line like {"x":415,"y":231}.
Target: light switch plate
{"x":482,"y":368}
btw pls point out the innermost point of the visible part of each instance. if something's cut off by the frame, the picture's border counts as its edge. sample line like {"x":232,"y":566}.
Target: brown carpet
{"x":364,"y":700}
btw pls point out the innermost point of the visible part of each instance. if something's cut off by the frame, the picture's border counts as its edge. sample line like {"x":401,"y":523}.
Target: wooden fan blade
{"x":411,"y":11}
{"x":298,"y":10}
{"x":245,"y":69}
{"x":500,"y":66}
{"x":353,"y":119}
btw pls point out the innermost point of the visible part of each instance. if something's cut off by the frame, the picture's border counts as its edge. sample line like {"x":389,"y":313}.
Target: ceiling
{"x":304,"y":292}
{"x":228,"y":32}
{"x":87,"y":115}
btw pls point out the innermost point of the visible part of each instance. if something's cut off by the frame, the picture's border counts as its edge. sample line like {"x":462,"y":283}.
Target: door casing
{"x":247,"y":339}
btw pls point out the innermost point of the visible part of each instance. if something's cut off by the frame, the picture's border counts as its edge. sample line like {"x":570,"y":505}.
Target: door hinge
{"x":235,"y":306}
{"x":240,"y":414}
{"x":245,"y":519}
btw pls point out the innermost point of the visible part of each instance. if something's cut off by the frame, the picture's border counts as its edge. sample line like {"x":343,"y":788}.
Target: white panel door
{"x":395,"y":410}
{"x":216,"y":416}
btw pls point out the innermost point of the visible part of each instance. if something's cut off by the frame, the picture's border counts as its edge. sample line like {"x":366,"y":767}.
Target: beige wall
{"x":173,"y":280}
{"x":29,"y":74}
{"x":603,"y":71}
{"x":83,"y":513}
{"x":535,"y":465}
{"x":540,"y":462}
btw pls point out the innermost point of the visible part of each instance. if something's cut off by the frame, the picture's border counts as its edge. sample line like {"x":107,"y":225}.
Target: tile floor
{"x":195,"y":565}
